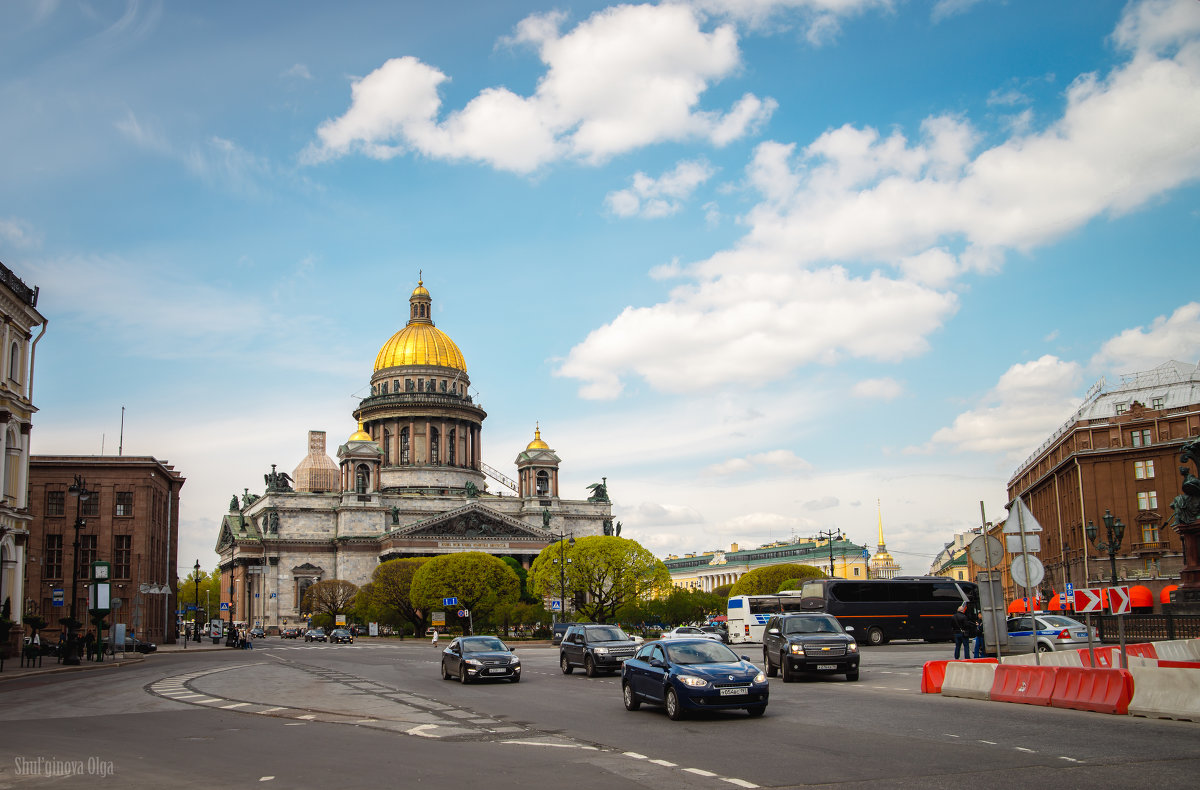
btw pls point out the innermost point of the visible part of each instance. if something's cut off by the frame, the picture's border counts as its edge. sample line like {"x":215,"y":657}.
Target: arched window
{"x":362,"y":478}
{"x":404,"y":446}
{"x":434,"y":448}
{"x":453,"y":443}
{"x":543,"y":483}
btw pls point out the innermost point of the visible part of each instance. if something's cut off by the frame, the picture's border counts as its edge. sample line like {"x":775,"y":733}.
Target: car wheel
{"x":852,"y":675}
{"x":1044,"y":648}
{"x":445,"y":672}
{"x":631,"y":701}
{"x":462,"y":674}
{"x":875,"y":636}
{"x":757,"y":711}
{"x":674,"y":709}
{"x":564,"y":664}
{"x":589,"y":667}
{"x":772,"y":670}
{"x":786,"y":669}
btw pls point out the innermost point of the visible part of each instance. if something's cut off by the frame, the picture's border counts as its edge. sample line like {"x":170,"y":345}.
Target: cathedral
{"x":410,"y":482}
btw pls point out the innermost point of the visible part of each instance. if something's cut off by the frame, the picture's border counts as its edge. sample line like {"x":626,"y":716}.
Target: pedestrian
{"x":962,"y":632}
{"x":435,"y":637}
{"x":978,"y":635}
{"x":89,"y":644}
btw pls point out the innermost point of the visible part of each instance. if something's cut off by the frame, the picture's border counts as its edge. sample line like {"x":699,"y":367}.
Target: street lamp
{"x":1114,"y":530}
{"x":77,"y":489}
{"x":196,"y":577}
{"x":229,"y":640}
{"x":562,"y":569}
{"x":831,"y":535}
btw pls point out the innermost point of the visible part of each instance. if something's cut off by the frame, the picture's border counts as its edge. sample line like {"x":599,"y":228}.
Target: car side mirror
{"x":658,"y":662}
{"x":849,"y":628}
{"x":774,"y":631}
{"x":747,"y":658}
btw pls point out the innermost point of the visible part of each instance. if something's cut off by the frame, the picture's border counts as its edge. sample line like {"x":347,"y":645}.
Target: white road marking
{"x":270,"y":710}
{"x":234,"y":705}
{"x":1069,"y":759}
{"x":1023,"y":749}
{"x":699,"y":772}
{"x":420,"y":729}
{"x":266,"y":778}
{"x":989,"y":743}
{"x":738,"y":782}
{"x":635,"y":755}
{"x":665,"y":763}
{"x":307,"y":717}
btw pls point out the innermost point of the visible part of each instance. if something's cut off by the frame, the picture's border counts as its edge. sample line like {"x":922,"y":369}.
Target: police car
{"x":1048,"y":632}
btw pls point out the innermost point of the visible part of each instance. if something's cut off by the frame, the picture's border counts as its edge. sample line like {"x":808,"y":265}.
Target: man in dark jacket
{"x":962,"y":632}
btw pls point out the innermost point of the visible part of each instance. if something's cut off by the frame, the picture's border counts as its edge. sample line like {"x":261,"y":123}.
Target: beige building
{"x":18,"y":307}
{"x":410,"y":482}
{"x":714,"y":569}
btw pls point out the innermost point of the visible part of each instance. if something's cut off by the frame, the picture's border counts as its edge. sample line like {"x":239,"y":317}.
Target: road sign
{"x":866,"y":553}
{"x":556,"y":606}
{"x":58,"y":597}
{"x":1070,"y":590}
{"x":1118,"y":600}
{"x":191,"y":607}
{"x":1035,"y":568}
{"x":438,"y":618}
{"x":1032,"y":543}
{"x":1020,"y":519}
{"x":984,"y":548}
{"x":449,"y":602}
{"x":462,"y":612}
{"x":1089,"y":600}
{"x":224,"y":606}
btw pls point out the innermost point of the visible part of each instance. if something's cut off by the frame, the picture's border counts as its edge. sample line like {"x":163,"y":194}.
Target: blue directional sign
{"x":866,"y":553}
{"x":58,"y":597}
{"x":1070,"y":590}
{"x":449,"y":602}
{"x":191,"y":607}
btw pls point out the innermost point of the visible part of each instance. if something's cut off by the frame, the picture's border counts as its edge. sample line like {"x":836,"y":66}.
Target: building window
{"x":1149,"y":533}
{"x":1156,"y":403}
{"x":1143,"y":470}
{"x":87,"y":554}
{"x":453,"y":442}
{"x":434,"y":446}
{"x":124,"y":504}
{"x":856,"y":570}
{"x":122,"y":552}
{"x":362,"y":477}
{"x":14,"y":362}
{"x":1147,"y":500}
{"x":55,"y":503}
{"x":1122,"y":408}
{"x":54,"y":551}
{"x":91,"y":507}
{"x":404,"y":445}
{"x":543,"y":483}
{"x":387,"y":446}
{"x":1139,"y":438}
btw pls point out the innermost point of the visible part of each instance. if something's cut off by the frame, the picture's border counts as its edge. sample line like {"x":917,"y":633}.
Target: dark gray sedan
{"x":471,"y":658}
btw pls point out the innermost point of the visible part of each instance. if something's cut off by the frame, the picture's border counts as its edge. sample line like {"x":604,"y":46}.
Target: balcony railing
{"x":1151,"y":547}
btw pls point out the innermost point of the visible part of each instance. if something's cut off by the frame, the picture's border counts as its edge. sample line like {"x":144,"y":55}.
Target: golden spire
{"x":879,"y":509}
{"x":537,"y":443}
{"x":360,"y":435}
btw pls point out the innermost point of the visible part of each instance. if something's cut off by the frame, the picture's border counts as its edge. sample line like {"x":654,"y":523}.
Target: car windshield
{"x":811,"y":625}
{"x":483,"y":645}
{"x":706,"y":652}
{"x":1062,"y":622}
{"x":612,"y":634}
{"x":318,"y":630}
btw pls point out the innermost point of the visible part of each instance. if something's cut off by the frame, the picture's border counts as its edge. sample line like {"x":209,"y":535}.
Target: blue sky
{"x":760,"y":263}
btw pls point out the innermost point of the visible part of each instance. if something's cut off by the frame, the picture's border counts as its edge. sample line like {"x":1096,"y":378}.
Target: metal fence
{"x":1149,"y":627}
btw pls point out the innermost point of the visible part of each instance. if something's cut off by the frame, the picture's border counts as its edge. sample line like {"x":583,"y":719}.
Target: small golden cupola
{"x":420,"y":342}
{"x":537,"y":469}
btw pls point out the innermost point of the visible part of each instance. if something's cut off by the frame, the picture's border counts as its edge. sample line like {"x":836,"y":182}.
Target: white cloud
{"x":824,"y":503}
{"x":658,"y":197}
{"x":1028,"y":403}
{"x":944,"y":9}
{"x":781,"y":460}
{"x":878,"y":389}
{"x":627,"y":77}
{"x":299,"y":70}
{"x":931,"y":209}
{"x":821,"y":19}
{"x":1176,"y":337}
{"x":17,"y":232}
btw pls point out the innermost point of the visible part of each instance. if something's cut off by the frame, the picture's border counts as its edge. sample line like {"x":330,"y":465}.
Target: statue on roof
{"x":618,"y":530}
{"x":546,"y":518}
{"x":599,"y":491}
{"x":471,"y":489}
{"x":277,"y":481}
{"x":248,"y":499}
{"x":233,"y":503}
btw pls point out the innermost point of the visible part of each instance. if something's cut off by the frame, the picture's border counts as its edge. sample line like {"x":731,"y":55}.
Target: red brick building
{"x":1120,"y":453}
{"x":130,"y":518}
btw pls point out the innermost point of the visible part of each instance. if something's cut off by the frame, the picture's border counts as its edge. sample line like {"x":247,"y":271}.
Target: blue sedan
{"x":693,"y":674}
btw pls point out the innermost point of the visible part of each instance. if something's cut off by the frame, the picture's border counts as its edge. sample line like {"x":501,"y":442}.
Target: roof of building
{"x":420,"y":342}
{"x":806,"y":552}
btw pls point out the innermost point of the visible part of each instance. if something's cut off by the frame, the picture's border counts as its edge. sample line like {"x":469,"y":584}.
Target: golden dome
{"x":360,"y":435}
{"x":420,"y":342}
{"x":537,"y":443}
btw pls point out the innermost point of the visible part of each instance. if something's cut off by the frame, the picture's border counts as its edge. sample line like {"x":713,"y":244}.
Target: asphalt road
{"x":294,"y":714}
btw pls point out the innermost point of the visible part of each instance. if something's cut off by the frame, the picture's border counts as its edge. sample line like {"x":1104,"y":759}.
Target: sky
{"x":771,"y":267}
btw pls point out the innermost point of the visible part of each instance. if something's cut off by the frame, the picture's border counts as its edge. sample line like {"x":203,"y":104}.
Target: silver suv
{"x":595,"y":647}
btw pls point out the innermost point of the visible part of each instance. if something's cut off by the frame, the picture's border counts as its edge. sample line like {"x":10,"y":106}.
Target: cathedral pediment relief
{"x":308,"y":569}
{"x":473,"y":521}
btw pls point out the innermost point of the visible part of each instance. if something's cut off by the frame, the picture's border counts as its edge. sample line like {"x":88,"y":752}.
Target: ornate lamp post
{"x":229,"y":636}
{"x":77,"y":489}
{"x":1114,"y":531}
{"x":562,"y":568}
{"x":831,"y":535}
{"x":196,"y":577}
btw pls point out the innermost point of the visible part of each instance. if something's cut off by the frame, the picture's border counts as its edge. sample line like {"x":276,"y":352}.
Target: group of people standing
{"x":968,"y":625}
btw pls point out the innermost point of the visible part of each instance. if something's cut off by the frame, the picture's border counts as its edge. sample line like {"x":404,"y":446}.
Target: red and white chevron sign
{"x":1118,"y":600}
{"x":1089,"y":600}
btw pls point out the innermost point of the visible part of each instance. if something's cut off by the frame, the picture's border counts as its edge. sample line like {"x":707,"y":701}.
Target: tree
{"x":480,"y":581}
{"x":766,"y":580}
{"x":723,"y":590}
{"x":391,"y":590}
{"x":603,"y":573}
{"x":210,"y":594}
{"x":523,"y":575}
{"x":331,"y":597}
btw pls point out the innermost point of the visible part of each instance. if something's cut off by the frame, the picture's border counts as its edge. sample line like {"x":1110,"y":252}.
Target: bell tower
{"x":537,"y":470}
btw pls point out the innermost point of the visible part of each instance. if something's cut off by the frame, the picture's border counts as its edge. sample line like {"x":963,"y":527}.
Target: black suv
{"x":795,"y":643}
{"x":596,"y":648}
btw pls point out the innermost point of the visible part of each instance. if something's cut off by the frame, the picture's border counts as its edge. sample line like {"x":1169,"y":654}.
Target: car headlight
{"x":796,"y":650}
{"x":693,"y":681}
{"x":515,"y":661}
{"x":602,"y":651}
{"x":760,"y":677}
{"x":852,"y":647}
{"x":475,"y":662}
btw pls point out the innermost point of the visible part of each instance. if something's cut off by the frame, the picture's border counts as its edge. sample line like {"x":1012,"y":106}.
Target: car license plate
{"x":498,"y":671}
{"x":734,"y":692}
{"x":1081,"y":634}
{"x":826,"y":666}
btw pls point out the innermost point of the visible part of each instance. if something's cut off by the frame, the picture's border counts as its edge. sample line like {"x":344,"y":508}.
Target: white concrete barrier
{"x":1058,"y":658}
{"x":1168,"y":693}
{"x":973,"y":681}
{"x":1178,"y":650}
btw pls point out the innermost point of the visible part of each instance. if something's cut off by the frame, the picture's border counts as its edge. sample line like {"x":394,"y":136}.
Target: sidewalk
{"x":50,"y":665}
